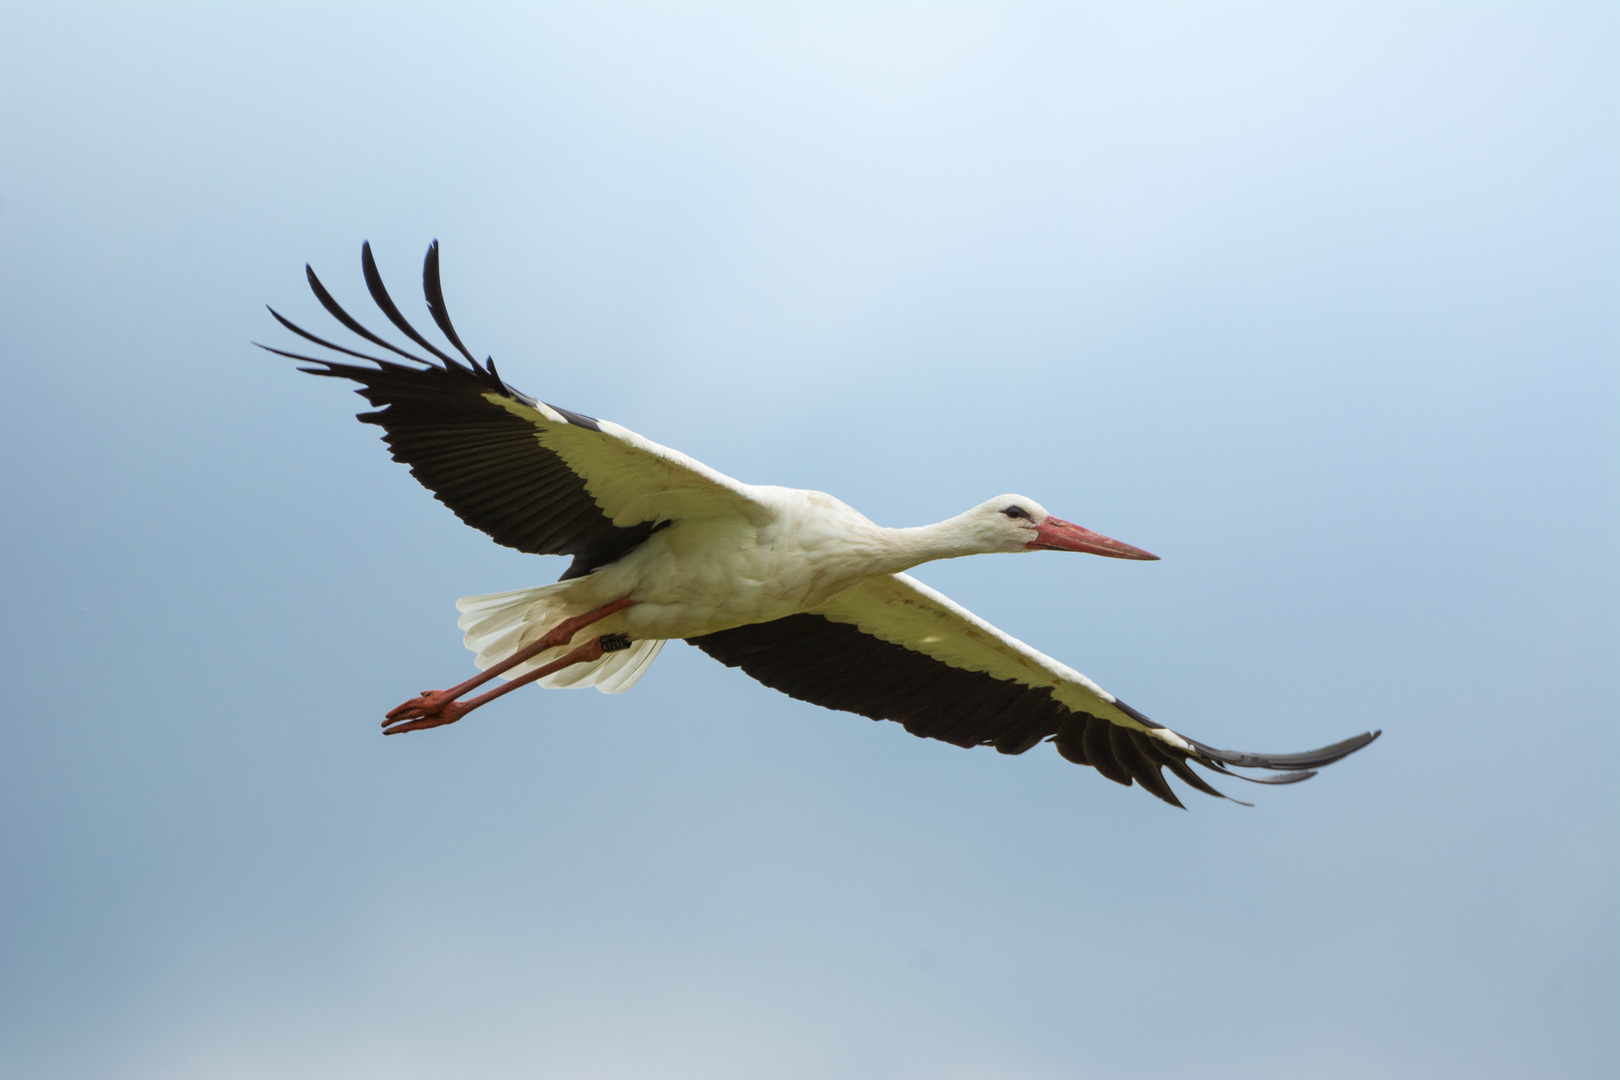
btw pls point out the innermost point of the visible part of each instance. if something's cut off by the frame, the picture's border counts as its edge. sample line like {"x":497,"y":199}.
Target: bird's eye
{"x":1016,"y":512}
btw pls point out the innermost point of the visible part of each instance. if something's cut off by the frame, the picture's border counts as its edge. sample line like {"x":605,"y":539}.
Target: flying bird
{"x":794,"y":587}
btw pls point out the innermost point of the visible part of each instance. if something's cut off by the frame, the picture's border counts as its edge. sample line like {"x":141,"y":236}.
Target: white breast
{"x":703,"y":575}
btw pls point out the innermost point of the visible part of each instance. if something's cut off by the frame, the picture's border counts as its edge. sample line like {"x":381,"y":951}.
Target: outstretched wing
{"x":533,"y":476}
{"x":891,"y":648}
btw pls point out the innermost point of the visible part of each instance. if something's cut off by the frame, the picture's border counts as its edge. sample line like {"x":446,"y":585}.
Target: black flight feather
{"x":385,"y":303}
{"x":480,"y":460}
{"x":336,"y":311}
{"x":839,"y":666}
{"x":435,"y":302}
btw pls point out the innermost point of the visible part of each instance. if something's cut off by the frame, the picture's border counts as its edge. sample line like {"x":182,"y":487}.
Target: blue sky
{"x":1319,"y":303}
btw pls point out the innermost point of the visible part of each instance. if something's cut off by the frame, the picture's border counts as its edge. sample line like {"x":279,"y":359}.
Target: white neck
{"x":901,"y":549}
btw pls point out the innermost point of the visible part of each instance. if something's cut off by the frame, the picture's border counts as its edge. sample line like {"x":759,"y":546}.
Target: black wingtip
{"x":1310,"y":759}
{"x":433,"y":290}
{"x":386,"y":305}
{"x":1277,"y":781}
{"x":336,"y":311}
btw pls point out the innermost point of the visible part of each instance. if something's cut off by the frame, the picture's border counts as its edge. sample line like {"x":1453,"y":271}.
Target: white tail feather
{"x":613,"y":674}
{"x":498,"y":624}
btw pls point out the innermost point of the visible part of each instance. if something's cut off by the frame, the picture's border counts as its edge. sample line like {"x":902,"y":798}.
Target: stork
{"x":799,"y":590}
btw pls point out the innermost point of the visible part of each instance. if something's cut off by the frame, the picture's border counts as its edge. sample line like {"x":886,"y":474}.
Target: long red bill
{"x":1055,"y":534}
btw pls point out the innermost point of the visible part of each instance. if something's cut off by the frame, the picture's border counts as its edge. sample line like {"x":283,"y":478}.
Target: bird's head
{"x":1015,"y":523}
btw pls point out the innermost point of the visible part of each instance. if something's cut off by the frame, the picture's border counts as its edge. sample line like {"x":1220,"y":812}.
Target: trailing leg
{"x":435,"y":705}
{"x":452,"y":711}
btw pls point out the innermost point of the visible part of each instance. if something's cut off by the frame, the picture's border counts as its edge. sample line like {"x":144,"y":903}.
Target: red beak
{"x":1059,"y":535}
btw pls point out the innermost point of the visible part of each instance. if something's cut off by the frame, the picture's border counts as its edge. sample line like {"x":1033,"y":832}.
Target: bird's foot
{"x":430,"y":709}
{"x":436,"y":708}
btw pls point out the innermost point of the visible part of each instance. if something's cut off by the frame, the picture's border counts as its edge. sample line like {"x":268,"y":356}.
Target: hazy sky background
{"x":1318,"y":302}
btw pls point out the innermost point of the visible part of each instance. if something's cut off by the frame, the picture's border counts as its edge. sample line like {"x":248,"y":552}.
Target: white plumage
{"x":497,"y":625}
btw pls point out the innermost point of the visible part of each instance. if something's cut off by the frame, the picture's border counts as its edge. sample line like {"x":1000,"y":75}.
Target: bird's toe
{"x":424,"y":704}
{"x":418,"y":718}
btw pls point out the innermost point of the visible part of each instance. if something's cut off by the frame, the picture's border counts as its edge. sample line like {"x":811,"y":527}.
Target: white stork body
{"x":768,"y":553}
{"x":779,"y":552}
{"x":801,"y":591}
{"x":792,"y":552}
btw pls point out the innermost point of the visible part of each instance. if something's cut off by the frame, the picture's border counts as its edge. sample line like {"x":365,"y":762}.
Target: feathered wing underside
{"x":893,"y":649}
{"x":533,"y":476}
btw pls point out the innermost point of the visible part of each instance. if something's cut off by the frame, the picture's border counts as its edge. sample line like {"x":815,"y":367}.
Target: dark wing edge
{"x":839,"y":666}
{"x":478,"y":458}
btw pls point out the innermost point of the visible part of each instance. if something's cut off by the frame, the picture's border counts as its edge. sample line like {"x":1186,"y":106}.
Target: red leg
{"x":434,"y":704}
{"x":452,"y":711}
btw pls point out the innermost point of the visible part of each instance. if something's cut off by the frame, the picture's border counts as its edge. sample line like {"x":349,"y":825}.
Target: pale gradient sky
{"x":1318,"y":302}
